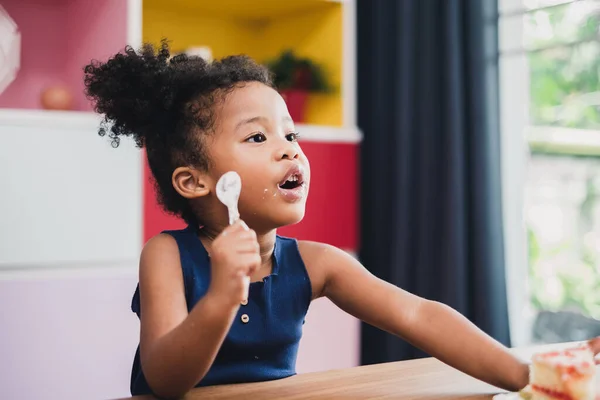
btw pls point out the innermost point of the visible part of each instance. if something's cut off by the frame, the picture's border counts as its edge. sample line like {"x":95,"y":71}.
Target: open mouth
{"x":292,"y":182}
{"x":293,"y":179}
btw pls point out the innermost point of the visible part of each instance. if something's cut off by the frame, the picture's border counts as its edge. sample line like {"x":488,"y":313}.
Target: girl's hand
{"x":235,"y":255}
{"x":595,"y":346}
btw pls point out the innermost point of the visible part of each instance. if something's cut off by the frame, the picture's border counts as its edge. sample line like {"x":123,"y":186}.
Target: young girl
{"x":199,"y":326}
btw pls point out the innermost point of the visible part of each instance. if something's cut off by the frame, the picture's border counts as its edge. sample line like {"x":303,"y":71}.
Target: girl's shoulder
{"x":170,"y":240}
{"x":162,"y":243}
{"x":165,"y":239}
{"x":316,"y":257}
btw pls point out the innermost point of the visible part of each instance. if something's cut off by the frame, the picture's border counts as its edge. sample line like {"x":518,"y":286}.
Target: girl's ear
{"x":191,"y":183}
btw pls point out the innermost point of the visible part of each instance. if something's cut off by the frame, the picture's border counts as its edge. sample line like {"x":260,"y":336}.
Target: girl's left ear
{"x":191,"y":183}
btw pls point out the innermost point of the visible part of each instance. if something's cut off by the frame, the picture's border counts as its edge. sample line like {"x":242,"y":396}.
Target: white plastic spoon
{"x":229,"y":187}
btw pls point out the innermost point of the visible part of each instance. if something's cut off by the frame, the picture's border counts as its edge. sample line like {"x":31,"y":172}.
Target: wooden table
{"x":425,"y":379}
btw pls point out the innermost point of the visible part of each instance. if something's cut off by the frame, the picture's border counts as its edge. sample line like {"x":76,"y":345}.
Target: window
{"x":550,"y":106}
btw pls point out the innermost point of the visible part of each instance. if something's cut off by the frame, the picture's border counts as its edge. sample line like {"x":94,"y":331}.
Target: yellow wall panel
{"x":224,"y":36}
{"x":314,"y":33}
{"x":317,"y":35}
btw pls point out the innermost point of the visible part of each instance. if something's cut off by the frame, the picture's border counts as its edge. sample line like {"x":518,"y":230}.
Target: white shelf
{"x":88,"y":120}
{"x":53,"y":119}
{"x":328,"y":134}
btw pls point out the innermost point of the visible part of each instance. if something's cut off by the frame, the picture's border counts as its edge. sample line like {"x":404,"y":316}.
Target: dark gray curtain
{"x":431,"y":198}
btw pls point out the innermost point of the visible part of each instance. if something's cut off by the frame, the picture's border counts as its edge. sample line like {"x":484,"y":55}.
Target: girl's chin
{"x":281,"y":220}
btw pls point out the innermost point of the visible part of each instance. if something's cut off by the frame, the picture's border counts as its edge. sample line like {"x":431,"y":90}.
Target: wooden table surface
{"x":424,"y":379}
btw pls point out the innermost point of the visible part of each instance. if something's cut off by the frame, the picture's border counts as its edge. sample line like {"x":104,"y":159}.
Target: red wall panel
{"x":332,"y":207}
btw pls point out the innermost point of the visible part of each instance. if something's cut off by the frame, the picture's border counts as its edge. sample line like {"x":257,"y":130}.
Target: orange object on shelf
{"x":57,"y":97}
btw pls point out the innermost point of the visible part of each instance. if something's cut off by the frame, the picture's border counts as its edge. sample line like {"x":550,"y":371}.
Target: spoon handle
{"x":234,"y":215}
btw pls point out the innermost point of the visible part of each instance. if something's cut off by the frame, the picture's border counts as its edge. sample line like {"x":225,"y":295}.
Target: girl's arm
{"x":177,"y":348}
{"x":433,"y":327}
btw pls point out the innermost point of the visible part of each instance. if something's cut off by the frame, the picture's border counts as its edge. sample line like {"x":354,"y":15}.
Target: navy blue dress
{"x":262,"y":343}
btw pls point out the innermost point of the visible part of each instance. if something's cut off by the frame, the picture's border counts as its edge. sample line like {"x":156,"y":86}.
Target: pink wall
{"x":58,"y":38}
{"x":43,"y":27}
{"x":330,"y":339}
{"x":74,"y":337}
{"x":67,"y":338}
{"x":97,"y":29}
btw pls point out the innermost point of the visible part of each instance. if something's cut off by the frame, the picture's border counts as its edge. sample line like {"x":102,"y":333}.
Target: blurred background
{"x":454,"y":144}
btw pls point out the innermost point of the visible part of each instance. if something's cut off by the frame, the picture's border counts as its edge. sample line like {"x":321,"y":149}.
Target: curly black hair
{"x":166,"y":104}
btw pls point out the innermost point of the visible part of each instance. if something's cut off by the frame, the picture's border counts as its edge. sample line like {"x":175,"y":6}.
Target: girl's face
{"x":255,"y":136}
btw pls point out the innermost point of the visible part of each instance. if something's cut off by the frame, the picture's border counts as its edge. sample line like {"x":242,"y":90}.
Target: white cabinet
{"x":66,"y":196}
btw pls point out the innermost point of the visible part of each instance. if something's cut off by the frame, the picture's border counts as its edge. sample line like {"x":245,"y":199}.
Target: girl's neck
{"x":266,"y":243}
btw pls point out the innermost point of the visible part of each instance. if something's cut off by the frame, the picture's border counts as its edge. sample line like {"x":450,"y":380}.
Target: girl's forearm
{"x":466,"y":348}
{"x":179,"y":360}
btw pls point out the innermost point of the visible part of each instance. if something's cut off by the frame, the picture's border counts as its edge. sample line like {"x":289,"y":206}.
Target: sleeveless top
{"x":262,"y":342}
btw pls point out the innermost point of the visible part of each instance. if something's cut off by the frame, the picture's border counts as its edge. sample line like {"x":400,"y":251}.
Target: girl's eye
{"x":292,"y":136}
{"x":257,"y":138}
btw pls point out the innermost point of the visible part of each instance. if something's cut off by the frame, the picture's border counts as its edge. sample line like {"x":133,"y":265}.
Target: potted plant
{"x":295,"y":77}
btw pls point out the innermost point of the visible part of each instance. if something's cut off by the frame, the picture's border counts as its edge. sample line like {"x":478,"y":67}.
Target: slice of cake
{"x":563,"y":375}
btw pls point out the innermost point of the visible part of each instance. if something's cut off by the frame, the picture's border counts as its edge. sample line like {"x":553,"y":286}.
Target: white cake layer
{"x":570,"y":372}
